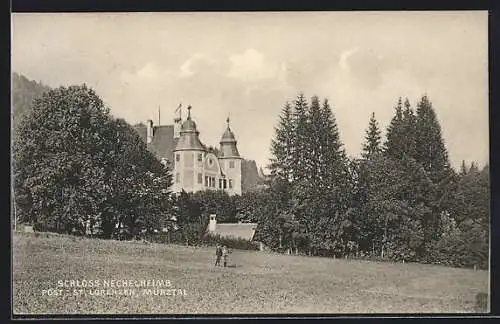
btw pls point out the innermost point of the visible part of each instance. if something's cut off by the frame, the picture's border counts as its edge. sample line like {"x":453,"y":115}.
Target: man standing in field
{"x":218,"y":254}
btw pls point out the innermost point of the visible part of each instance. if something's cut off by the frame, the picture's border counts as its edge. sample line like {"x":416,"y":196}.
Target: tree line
{"x":401,"y":200}
{"x":75,"y":165}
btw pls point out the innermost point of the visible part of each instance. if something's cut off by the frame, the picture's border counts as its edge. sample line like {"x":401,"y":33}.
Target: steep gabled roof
{"x":163,"y":143}
{"x":244,"y":231}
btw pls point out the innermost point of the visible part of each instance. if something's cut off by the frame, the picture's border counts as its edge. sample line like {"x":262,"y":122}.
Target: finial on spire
{"x":189,"y":112}
{"x":179,"y":109}
{"x":227,"y":121}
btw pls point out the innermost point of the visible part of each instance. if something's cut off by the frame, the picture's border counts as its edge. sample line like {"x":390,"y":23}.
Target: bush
{"x":230,"y":242}
{"x":463,"y":249}
{"x":482,"y":302}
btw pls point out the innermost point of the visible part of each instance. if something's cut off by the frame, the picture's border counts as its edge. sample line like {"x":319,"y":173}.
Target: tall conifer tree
{"x":301,"y":139}
{"x":408,"y":130}
{"x":393,"y":147}
{"x":431,"y":154}
{"x":282,"y":145}
{"x":373,"y":139}
{"x":430,"y":150}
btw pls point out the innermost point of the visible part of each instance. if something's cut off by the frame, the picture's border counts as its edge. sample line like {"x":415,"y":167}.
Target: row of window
{"x":209,"y":181}
{"x":200,"y":159}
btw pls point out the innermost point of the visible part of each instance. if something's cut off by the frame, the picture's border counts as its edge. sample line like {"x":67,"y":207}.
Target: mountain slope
{"x":23,"y":92}
{"x":250,"y":178}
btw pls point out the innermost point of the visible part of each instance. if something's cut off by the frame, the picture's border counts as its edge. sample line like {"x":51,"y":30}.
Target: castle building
{"x":195,"y":167}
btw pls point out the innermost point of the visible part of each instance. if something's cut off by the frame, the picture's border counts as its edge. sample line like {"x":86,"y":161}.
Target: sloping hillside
{"x":255,"y":282}
{"x":23,"y":92}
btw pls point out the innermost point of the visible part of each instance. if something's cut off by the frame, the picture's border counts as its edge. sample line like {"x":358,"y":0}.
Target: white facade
{"x":197,"y":169}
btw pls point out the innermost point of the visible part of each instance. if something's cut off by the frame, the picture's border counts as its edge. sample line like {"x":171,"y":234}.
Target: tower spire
{"x":189,"y":112}
{"x":227,"y":121}
{"x":179,"y":109}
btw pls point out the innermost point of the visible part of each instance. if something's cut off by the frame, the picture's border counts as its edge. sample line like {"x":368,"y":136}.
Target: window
{"x":200,"y":157}
{"x":224,"y":183}
{"x":177,"y":157}
{"x":206,"y":181}
{"x":220,"y":183}
{"x":177,"y":177}
{"x":200,"y":178}
{"x":213,"y":182}
{"x":230,"y":183}
{"x":231,"y":164}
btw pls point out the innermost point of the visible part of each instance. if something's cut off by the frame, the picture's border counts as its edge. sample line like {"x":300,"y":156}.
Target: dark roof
{"x":163,"y":143}
{"x":189,"y":140}
{"x":141,"y":130}
{"x":228,"y":136}
{"x":236,"y":230}
{"x":189,"y":125}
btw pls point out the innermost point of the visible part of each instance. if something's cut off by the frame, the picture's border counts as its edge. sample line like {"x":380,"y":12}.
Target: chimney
{"x":177,"y":127}
{"x":149,"y":125}
{"x":212,"y":224}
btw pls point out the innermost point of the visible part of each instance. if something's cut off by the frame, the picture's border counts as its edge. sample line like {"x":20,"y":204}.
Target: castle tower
{"x":188,"y":158}
{"x":230,"y":161}
{"x":178,"y":123}
{"x":149,"y":131}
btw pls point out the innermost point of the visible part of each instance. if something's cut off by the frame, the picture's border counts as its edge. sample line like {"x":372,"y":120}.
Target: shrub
{"x":482,"y":302}
{"x":230,"y":242}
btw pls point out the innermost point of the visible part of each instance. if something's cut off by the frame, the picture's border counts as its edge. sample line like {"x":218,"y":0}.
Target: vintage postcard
{"x":250,"y":163}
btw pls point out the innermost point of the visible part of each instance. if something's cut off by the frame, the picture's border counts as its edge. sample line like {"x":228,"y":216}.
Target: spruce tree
{"x":430,"y":150}
{"x":372,"y":139}
{"x":301,"y":139}
{"x":336,"y":161}
{"x":332,"y":194}
{"x":408,"y":130}
{"x":473,"y":167}
{"x":315,"y":158}
{"x":282,"y":145}
{"x":431,"y":154}
{"x":463,"y":168}
{"x":393,"y":146}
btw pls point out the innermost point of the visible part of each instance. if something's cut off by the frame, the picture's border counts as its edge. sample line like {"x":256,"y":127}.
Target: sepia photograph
{"x":250,"y":163}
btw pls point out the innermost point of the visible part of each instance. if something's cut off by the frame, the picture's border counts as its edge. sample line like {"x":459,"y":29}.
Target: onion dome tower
{"x":188,"y":156}
{"x":230,"y":159}
{"x":189,"y":135}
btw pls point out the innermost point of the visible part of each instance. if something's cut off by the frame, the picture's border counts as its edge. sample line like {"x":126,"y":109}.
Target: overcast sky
{"x":247,"y":65}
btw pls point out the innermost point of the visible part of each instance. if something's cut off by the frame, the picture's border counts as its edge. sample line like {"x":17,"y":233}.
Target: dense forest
{"x":75,"y":164}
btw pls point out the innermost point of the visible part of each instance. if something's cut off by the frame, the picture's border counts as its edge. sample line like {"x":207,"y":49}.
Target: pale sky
{"x":247,"y":65}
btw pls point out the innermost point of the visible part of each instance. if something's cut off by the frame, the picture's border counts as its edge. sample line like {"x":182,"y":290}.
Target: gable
{"x":211,"y":163}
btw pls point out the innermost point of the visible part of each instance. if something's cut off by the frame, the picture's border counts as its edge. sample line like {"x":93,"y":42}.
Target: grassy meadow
{"x":256,"y":282}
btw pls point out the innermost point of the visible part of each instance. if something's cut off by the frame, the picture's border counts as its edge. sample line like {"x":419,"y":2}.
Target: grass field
{"x":256,"y":283}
